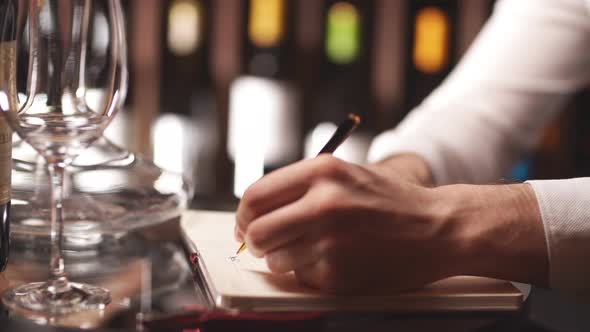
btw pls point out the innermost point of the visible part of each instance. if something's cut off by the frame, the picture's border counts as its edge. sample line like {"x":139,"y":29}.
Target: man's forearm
{"x":498,"y":231}
{"x":408,"y":166}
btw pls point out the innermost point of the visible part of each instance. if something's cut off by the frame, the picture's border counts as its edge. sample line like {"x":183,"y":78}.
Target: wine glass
{"x":70,"y":82}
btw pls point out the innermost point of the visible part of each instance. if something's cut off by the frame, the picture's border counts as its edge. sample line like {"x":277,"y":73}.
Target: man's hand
{"x":347,"y":228}
{"x":343,"y":227}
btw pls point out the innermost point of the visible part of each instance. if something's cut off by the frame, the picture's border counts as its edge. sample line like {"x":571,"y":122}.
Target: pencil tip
{"x":241,"y":248}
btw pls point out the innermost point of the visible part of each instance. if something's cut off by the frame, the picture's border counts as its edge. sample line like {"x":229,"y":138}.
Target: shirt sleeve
{"x":529,"y":57}
{"x":565,"y":211}
{"x":526,"y":61}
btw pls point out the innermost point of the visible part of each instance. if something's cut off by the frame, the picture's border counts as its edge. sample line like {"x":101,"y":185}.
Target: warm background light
{"x":184,"y":27}
{"x":266,"y":22}
{"x":431,"y":50}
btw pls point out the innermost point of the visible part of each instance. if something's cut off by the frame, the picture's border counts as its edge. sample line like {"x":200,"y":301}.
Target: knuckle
{"x":256,"y":237}
{"x":328,"y":245}
{"x":251,"y":198}
{"x":318,"y":209}
{"x":241,"y":223}
{"x":315,"y":210}
{"x":331,"y":167}
{"x":329,"y":199}
{"x":273,"y":264}
{"x":276,"y":263}
{"x":249,"y":208}
{"x":335,"y":201}
{"x":324,"y":158}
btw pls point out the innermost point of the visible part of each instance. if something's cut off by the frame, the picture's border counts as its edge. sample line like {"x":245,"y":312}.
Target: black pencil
{"x":340,"y":135}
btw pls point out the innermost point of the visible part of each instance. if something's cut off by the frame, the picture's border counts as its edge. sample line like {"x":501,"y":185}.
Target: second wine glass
{"x":70,"y":81}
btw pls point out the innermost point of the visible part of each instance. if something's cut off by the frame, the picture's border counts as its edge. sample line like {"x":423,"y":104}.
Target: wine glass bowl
{"x":74,"y":57}
{"x":70,"y":79}
{"x":58,"y":137}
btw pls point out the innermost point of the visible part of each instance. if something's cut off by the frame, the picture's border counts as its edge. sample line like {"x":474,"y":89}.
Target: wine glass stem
{"x":58,"y":282}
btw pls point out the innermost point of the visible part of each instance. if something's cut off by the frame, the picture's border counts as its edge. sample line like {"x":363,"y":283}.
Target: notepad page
{"x":241,"y":275}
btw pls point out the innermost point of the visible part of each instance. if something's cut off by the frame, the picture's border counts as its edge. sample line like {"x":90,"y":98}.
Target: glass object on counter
{"x":130,"y":267}
{"x":109,"y":191}
{"x":76,"y":81}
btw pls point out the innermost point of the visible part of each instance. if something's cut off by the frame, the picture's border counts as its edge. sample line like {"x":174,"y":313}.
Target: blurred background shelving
{"x":226,"y":90}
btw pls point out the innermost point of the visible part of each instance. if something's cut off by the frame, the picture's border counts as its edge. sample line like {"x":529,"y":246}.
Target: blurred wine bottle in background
{"x":264,"y":117}
{"x":344,"y":82}
{"x":8,"y":99}
{"x":432,"y":35}
{"x":184,"y":135}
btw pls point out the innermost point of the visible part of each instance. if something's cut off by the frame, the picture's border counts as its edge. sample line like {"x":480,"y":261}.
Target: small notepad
{"x":245,"y":283}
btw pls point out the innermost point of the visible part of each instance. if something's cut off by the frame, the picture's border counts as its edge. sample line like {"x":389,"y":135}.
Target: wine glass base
{"x":37,"y":298}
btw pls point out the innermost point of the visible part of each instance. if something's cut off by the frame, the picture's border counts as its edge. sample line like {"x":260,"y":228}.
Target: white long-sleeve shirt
{"x":529,"y":57}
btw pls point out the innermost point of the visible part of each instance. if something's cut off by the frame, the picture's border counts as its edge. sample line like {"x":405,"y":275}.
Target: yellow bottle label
{"x":7,"y":102}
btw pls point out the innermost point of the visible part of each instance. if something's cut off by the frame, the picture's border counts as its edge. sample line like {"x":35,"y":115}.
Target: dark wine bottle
{"x":185,"y":72}
{"x":7,"y":100}
{"x":185,"y":139}
{"x":264,"y":118}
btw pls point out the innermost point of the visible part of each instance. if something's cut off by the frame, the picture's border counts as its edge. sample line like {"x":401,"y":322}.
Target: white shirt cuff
{"x":565,"y":211}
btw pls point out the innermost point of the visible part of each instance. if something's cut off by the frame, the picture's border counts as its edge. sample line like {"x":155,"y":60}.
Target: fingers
{"x":282,"y":187}
{"x":237,"y":234}
{"x":296,"y":254}
{"x":276,"y":189}
{"x":280,"y":227}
